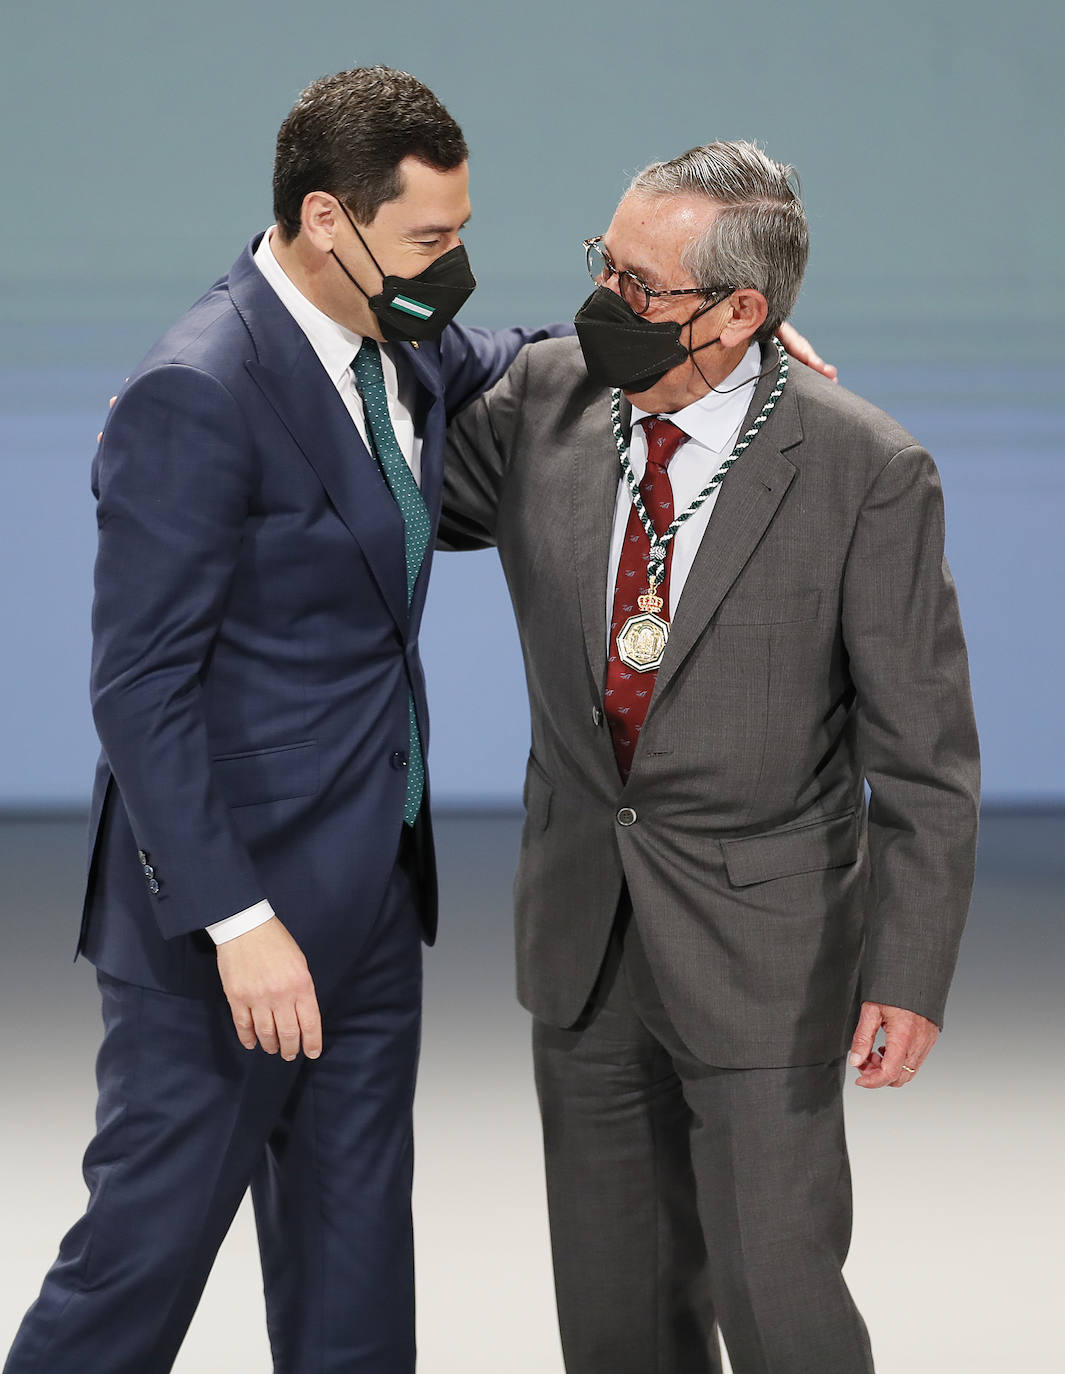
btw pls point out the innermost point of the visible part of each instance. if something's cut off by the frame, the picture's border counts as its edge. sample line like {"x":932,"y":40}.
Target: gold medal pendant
{"x":642,"y":640}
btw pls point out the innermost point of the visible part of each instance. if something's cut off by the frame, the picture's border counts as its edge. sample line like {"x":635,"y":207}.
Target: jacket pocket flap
{"x":828,"y":843}
{"x":770,"y":610}
{"x":266,"y":775}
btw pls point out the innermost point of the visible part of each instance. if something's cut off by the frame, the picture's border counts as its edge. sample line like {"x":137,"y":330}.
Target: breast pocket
{"x":267,"y":775}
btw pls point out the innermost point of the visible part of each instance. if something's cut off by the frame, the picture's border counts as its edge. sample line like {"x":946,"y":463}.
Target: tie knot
{"x":367,"y":362}
{"x":663,"y":439}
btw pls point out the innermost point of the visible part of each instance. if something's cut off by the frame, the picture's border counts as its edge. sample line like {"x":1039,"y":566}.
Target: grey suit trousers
{"x":679,"y":1192}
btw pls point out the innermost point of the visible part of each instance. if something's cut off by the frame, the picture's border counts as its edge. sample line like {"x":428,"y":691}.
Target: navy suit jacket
{"x":253,"y":649}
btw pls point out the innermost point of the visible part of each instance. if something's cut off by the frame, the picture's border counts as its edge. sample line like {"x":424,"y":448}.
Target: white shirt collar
{"x":714,"y":418}
{"x":336,"y":346}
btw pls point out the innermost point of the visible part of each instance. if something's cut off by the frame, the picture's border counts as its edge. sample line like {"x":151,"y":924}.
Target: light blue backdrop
{"x":137,"y":150}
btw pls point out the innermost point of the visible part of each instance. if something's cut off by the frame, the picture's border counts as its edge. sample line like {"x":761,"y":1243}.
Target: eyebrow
{"x":646,"y":276}
{"x":436,"y":229}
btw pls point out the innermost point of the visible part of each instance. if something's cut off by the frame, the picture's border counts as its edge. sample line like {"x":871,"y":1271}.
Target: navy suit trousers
{"x":187,"y":1119}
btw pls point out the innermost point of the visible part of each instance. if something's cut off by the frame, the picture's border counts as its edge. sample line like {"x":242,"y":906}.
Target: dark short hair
{"x":348,"y":133}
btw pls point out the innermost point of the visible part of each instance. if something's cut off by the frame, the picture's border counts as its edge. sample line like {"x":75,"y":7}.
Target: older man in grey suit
{"x":735,"y":614}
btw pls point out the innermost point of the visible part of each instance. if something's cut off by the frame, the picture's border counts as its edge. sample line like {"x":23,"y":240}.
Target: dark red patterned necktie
{"x":628,"y":692}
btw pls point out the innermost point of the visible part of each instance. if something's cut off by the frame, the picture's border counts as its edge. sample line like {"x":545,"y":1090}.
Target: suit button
{"x":398,"y":760}
{"x":149,"y":871}
{"x":153,"y":886}
{"x":597,"y":716}
{"x":142,"y":858}
{"x":626,"y":816}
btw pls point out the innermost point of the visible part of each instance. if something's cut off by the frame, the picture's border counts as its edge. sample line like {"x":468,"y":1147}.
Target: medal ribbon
{"x":632,"y":661}
{"x":657,"y":560}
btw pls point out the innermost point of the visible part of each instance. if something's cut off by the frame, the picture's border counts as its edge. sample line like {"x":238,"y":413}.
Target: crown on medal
{"x":649,"y":602}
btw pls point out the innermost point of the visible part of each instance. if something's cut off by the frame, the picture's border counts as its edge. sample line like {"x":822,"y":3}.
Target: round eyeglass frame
{"x":636,"y":294}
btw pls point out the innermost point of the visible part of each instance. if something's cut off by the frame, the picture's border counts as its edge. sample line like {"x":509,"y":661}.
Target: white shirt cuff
{"x":241,"y":923}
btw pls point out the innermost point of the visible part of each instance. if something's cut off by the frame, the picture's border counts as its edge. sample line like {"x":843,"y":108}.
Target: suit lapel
{"x":596,"y":471}
{"x":748,"y":500}
{"x":310,"y":408}
{"x":291,"y":377}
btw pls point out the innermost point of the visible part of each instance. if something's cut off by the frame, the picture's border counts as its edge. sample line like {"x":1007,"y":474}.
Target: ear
{"x":749,"y":311}
{"x":318,"y":220}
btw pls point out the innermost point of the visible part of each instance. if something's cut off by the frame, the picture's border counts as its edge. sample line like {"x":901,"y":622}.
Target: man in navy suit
{"x":261,"y":872}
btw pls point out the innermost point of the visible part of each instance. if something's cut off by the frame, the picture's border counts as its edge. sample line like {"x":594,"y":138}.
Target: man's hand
{"x":802,"y":350}
{"x":270,"y":992}
{"x":908,"y":1041}
{"x":111,"y":406}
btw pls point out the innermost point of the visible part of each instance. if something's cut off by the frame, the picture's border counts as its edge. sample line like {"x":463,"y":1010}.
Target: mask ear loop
{"x":343,"y":269}
{"x":721,"y":391}
{"x":692,"y":350}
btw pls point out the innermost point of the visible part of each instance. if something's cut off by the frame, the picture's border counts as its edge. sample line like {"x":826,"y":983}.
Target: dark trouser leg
{"x":182,"y":1115}
{"x":332,"y":1196}
{"x":630,"y":1265}
{"x":773,"y":1184}
{"x":183,"y":1121}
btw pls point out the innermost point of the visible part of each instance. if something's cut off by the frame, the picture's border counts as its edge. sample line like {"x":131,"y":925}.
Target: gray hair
{"x":760,"y":239}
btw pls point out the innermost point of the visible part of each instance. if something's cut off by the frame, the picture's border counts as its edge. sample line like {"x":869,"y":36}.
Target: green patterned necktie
{"x":370,"y":382}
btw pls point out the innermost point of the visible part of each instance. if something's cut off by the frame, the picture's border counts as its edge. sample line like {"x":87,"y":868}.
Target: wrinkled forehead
{"x":651,"y":234}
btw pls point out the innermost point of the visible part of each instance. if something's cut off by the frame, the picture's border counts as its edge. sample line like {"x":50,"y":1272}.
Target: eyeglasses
{"x":635,"y":293}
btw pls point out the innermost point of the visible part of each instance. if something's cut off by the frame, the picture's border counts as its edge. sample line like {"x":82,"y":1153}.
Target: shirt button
{"x":626,"y":816}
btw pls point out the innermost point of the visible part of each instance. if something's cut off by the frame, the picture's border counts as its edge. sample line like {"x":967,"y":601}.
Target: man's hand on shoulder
{"x":802,"y":350}
{"x":110,"y":406}
{"x":270,"y":992}
{"x":908,"y":1041}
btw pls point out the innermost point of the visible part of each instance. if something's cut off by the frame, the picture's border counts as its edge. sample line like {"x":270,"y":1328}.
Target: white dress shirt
{"x":713,"y":426}
{"x":336,"y":347}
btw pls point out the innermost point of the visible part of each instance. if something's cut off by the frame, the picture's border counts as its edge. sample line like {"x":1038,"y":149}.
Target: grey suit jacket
{"x":816,"y":648}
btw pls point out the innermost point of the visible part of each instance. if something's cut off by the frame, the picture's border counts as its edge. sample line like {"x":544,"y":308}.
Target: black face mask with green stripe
{"x":414,"y":309}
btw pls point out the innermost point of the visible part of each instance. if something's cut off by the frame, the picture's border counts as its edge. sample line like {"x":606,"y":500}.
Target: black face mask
{"x":623,"y":349}
{"x":411,"y":309}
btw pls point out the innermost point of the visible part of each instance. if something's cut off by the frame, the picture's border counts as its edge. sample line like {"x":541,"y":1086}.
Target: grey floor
{"x":956,"y":1259}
